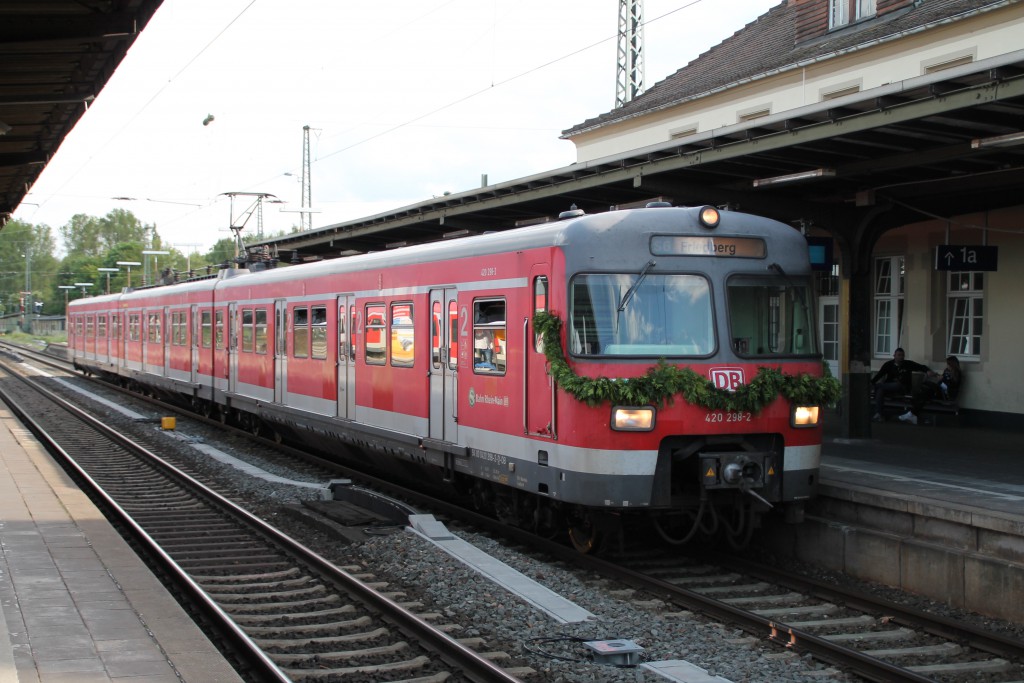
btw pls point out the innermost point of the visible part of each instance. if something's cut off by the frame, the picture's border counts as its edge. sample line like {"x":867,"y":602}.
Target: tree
{"x":222,"y":251}
{"x":92,"y":236}
{"x":27,"y":265}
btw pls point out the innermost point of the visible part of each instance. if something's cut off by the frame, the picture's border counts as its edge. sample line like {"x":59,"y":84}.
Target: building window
{"x":965,"y":310}
{"x":751,"y":114}
{"x":843,"y":12}
{"x":889,"y":279}
{"x":946,"y":63}
{"x":839,"y":92}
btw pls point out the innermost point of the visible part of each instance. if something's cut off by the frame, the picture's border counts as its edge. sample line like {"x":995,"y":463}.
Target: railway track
{"x":876,"y":640}
{"x":283,"y":612}
{"x":879,"y":640}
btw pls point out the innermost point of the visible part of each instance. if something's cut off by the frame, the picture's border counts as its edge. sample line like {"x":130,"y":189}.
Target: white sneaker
{"x":912,"y":419}
{"x":905,"y":417}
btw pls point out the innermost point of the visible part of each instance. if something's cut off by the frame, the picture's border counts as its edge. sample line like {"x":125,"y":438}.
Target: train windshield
{"x":641,"y":314}
{"x":771,"y":316}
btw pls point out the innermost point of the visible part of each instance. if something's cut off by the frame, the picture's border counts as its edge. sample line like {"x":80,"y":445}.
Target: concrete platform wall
{"x":966,"y":558}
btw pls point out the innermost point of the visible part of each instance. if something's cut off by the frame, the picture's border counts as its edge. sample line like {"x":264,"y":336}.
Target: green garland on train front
{"x":663,"y":382}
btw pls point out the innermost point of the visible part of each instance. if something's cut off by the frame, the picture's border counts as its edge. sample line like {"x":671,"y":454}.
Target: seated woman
{"x":945,"y":387}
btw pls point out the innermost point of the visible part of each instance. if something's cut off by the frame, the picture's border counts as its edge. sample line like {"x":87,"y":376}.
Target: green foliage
{"x":91,"y":236}
{"x":663,"y":382}
{"x":26,"y":264}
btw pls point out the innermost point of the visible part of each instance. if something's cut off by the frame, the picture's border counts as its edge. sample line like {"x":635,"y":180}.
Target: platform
{"x":76,"y":604}
{"x":933,"y":510}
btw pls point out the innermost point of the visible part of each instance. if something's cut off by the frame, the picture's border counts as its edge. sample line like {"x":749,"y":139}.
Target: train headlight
{"x":630,"y":419}
{"x":709,"y":217}
{"x":804,"y":416}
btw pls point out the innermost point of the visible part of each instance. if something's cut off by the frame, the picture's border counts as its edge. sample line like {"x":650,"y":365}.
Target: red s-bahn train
{"x":658,"y":364}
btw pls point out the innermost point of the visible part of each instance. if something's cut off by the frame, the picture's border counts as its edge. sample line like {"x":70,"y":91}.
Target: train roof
{"x":608,"y":238}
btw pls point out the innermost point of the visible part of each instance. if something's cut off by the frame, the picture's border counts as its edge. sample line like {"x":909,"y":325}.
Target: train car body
{"x":429,"y":358}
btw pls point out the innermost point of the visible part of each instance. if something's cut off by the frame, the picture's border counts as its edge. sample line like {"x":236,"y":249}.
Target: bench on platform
{"x":935,"y":406}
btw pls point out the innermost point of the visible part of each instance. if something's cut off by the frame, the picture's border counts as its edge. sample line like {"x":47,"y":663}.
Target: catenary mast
{"x":629,"y":81}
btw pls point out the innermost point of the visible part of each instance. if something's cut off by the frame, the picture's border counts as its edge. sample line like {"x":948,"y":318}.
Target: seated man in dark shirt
{"x":896,"y":376}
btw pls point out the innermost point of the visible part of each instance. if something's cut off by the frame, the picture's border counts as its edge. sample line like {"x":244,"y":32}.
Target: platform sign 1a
{"x":966,"y":257}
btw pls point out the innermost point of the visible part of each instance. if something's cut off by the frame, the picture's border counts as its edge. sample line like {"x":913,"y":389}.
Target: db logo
{"x":727,"y":378}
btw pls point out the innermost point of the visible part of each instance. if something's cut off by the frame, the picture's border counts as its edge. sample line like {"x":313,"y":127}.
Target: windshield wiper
{"x":632,"y":290}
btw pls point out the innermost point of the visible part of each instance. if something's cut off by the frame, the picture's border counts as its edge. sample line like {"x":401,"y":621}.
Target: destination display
{"x":699,"y":245}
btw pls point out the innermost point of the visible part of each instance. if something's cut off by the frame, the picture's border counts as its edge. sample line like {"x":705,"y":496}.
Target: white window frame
{"x":844,"y":12}
{"x":889,"y":282}
{"x":965,"y":309}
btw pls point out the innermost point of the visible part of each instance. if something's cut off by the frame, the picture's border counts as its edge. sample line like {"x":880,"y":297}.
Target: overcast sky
{"x":406,"y":99}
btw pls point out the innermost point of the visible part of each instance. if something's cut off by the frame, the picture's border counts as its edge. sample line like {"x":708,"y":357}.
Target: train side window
{"x":342,"y":335}
{"x":78,"y":326}
{"x":219,"y":330}
{"x":206,"y":332}
{"x":318,"y":332}
{"x":489,"y":336}
{"x":133,"y":327}
{"x":175,"y":336}
{"x":373,"y":344}
{"x":260,"y":331}
{"x":402,"y":335}
{"x":115,"y":326}
{"x":540,"y":305}
{"x":153,"y":329}
{"x":247,"y":330}
{"x":352,"y":334}
{"x":453,"y":334}
{"x":101,"y":326}
{"x":435,"y":334}
{"x":90,"y":322}
{"x":300,"y":332}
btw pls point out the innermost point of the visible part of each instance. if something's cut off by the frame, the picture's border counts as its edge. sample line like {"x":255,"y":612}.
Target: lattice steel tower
{"x":305,"y":211}
{"x":629,"y":81}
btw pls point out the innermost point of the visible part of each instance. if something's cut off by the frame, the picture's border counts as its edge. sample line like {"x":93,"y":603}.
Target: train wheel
{"x":586,"y":537}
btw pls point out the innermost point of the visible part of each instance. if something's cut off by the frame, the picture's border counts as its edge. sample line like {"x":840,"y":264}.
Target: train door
{"x":346,"y":406}
{"x":197,"y":334}
{"x":828,"y":322}
{"x":168,"y":331}
{"x":232,"y":348}
{"x":539,"y":398}
{"x":104,"y":340}
{"x":444,"y":363}
{"x":280,"y":350}
{"x":144,"y":325}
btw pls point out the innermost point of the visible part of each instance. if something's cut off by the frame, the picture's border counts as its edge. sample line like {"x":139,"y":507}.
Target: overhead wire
{"x":494,"y":84}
